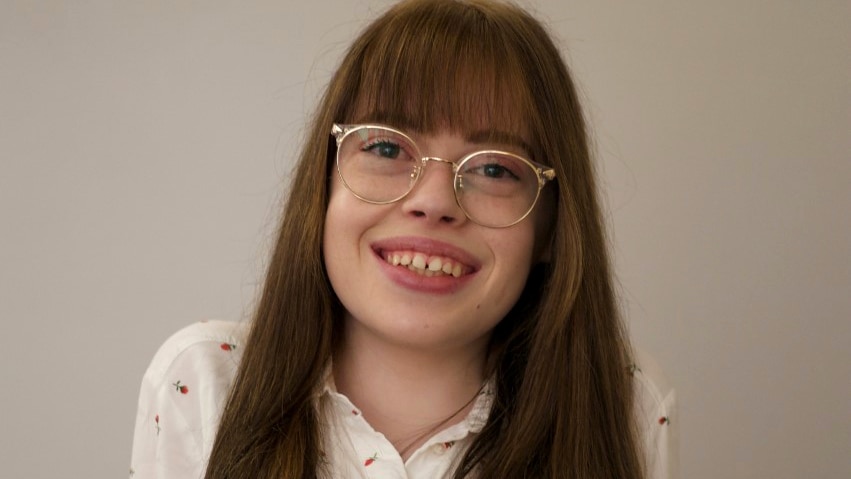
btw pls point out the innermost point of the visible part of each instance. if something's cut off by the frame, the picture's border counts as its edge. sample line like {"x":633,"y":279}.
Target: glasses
{"x":381,"y":165}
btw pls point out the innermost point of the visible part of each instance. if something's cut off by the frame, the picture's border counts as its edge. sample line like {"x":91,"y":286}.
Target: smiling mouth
{"x":424,"y":264}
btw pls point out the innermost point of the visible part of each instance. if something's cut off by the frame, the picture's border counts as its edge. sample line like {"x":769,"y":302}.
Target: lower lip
{"x":402,"y":276}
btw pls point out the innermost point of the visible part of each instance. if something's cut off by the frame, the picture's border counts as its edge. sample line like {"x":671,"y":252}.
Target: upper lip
{"x":428,"y":246}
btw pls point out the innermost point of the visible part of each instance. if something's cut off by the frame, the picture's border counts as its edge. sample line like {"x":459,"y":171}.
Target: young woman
{"x":439,"y":302}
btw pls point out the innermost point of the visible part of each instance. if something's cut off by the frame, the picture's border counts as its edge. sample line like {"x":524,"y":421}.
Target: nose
{"x":433,"y":197}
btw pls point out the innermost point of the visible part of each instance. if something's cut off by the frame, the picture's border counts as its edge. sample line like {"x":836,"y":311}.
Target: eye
{"x":493,"y":170}
{"x":493,"y":167}
{"x":384,"y":148}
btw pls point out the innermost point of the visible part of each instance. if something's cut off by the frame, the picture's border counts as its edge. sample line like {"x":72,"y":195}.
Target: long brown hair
{"x":563,"y":402}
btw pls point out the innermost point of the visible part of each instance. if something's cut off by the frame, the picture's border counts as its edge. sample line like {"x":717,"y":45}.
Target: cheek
{"x":518,"y":244}
{"x":342,"y":213}
{"x":514,"y":254}
{"x":542,"y":225}
{"x":333,"y":241}
{"x":347,"y":221}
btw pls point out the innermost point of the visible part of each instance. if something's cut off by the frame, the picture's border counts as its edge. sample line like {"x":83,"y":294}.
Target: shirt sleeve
{"x":180,"y":401}
{"x":657,"y":418}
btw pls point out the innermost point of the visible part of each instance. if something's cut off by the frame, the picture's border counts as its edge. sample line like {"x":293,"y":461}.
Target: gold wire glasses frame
{"x":500,"y":190}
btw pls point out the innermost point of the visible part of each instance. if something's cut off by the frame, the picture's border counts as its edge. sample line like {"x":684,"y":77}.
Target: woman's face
{"x":401,"y":305}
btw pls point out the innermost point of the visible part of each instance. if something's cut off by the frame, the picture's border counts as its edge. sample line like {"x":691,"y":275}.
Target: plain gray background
{"x":144,"y":147}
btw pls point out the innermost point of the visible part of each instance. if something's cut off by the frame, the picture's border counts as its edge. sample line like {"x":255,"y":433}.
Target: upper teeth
{"x":423,"y":264}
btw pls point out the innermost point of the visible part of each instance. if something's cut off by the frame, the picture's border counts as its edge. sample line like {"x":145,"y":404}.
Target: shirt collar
{"x":478,"y":416}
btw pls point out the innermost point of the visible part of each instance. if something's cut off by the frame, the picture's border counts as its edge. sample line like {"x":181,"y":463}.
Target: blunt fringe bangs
{"x":449,"y":66}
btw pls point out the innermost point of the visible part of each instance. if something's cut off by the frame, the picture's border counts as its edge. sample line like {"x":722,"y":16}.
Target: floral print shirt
{"x":187,"y":383}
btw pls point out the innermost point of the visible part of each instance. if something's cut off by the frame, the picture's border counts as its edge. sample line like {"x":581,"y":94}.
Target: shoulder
{"x":652,"y":386}
{"x":181,"y":398}
{"x":198,"y":341}
{"x":656,"y":416}
{"x":195,"y":367}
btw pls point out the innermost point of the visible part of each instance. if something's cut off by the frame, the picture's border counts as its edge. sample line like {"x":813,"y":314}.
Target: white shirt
{"x":186,"y":386}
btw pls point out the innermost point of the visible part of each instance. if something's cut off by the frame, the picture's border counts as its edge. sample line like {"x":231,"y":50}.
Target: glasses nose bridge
{"x":425,"y":159}
{"x":421,"y":170}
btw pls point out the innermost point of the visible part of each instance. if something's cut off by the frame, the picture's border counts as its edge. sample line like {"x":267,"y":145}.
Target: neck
{"x":405,"y":393}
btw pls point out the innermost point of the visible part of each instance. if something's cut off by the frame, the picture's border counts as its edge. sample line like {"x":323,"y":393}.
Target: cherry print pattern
{"x":182,"y":388}
{"x":221,"y":350}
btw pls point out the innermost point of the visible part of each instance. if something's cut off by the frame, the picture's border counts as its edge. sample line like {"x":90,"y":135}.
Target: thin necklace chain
{"x":419,"y":437}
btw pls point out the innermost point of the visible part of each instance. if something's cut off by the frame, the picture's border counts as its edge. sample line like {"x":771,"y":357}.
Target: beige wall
{"x":143,"y":145}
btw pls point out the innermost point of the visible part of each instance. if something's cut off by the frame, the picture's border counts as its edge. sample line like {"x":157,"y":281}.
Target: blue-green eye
{"x":491,"y":171}
{"x":384,"y":149}
{"x":496,"y":171}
